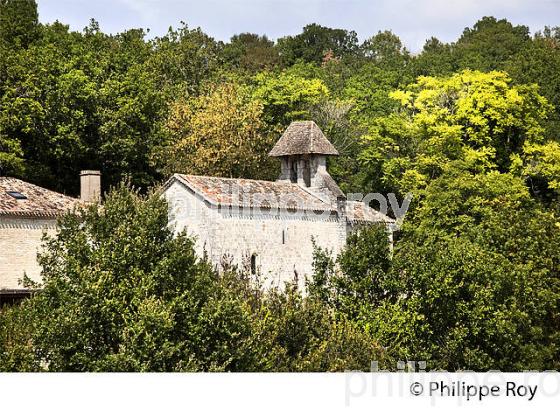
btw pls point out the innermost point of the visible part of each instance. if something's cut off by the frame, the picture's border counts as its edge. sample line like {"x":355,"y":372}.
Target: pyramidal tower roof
{"x":303,"y":137}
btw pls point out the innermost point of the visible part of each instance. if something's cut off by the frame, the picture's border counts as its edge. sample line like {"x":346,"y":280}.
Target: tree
{"x":251,"y":52}
{"x":11,"y":161}
{"x":356,"y":283}
{"x":287,"y":96}
{"x":310,"y":337}
{"x":315,"y":42}
{"x":16,"y":335}
{"x":479,"y":206}
{"x":476,"y":117}
{"x":436,"y":59}
{"x":539,"y":164}
{"x":386,"y":49}
{"x":465,"y":307}
{"x":369,"y":88}
{"x":19,"y":23}
{"x":221,"y":133}
{"x":538,"y":62}
{"x":121,"y":293}
{"x":47,"y":105}
{"x":81,"y":100}
{"x":130,"y":117}
{"x":183,"y":60}
{"x":473,"y":278}
{"x":490,"y":43}
{"x":467,"y":287}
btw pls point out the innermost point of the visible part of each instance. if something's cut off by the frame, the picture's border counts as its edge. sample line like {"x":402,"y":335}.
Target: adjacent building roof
{"x":303,"y":137}
{"x":33,"y":201}
{"x":357,"y":211}
{"x":250,"y":193}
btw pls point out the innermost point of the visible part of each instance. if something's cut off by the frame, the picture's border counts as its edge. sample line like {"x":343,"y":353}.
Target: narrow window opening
{"x":307,"y":174}
{"x":253,"y":264}
{"x":293,"y":172}
{"x":283,"y":237}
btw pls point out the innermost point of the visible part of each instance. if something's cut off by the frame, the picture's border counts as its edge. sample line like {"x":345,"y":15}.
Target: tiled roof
{"x":254,"y":193}
{"x":40,"y":202}
{"x":332,"y":185}
{"x":357,"y":211}
{"x":267,"y":194}
{"x":303,"y":137}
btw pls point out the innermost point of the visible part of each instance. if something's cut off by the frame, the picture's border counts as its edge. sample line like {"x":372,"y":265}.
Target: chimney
{"x":90,"y":186}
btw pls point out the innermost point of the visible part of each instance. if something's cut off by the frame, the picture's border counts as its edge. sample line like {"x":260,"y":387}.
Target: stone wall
{"x":280,"y":241}
{"x":20,"y":240}
{"x":188,"y":213}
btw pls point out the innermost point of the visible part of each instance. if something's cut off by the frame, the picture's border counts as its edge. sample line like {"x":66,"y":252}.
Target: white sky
{"x":413,"y":20}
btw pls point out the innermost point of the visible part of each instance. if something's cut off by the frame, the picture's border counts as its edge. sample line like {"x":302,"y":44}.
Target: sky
{"x":412,"y":20}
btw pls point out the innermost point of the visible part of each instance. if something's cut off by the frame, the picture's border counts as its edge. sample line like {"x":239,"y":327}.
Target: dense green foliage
{"x":468,"y":285}
{"x":120,"y":293}
{"x":471,"y":128}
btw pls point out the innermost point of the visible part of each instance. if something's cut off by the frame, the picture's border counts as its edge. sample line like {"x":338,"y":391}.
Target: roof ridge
{"x":215,"y":194}
{"x":227,"y":178}
{"x":312,"y":135}
{"x":38,"y":186}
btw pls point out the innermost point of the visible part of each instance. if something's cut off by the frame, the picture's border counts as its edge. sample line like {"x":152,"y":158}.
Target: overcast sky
{"x":412,"y":20}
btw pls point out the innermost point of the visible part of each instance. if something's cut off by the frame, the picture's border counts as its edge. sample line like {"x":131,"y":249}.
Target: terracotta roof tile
{"x":39,"y":202}
{"x":357,"y":211}
{"x":254,"y":193}
{"x":332,"y":185}
{"x":267,"y":194}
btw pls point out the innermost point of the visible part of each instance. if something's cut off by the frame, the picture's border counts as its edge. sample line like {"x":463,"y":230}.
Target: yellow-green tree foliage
{"x":540,"y":162}
{"x":478,"y":118}
{"x":220,"y":133}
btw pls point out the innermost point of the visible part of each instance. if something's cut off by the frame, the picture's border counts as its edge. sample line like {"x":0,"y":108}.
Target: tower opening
{"x":307,"y":174}
{"x":293,"y":172}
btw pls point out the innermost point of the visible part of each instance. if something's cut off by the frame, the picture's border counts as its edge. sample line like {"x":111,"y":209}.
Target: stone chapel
{"x":269,"y":227}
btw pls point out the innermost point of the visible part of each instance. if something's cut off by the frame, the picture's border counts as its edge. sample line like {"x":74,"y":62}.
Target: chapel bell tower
{"x":303,"y":151}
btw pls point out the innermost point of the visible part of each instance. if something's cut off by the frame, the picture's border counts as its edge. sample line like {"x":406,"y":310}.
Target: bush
{"x":120,"y":292}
